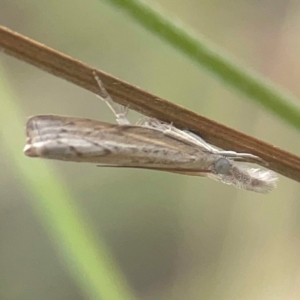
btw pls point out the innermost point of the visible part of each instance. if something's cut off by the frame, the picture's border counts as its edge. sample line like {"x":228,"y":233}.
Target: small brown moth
{"x":151,"y":144}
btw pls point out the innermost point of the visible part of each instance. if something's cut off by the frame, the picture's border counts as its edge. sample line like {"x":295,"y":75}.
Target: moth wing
{"x":189,"y":172}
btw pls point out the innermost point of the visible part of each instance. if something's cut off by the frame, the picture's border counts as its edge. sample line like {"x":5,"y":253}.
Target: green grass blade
{"x":258,"y":88}
{"x":87,"y":258}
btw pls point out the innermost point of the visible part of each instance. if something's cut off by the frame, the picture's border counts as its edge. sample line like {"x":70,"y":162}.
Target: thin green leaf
{"x":87,"y":258}
{"x":258,"y":88}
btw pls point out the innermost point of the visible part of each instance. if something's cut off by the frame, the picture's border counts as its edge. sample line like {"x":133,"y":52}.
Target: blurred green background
{"x":171,"y":236}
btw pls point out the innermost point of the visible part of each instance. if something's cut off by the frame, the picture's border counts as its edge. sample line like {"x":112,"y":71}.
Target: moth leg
{"x":151,"y":123}
{"x":118,"y":110}
{"x":195,"y":140}
{"x":189,"y":138}
{"x":226,"y":153}
{"x":202,"y":141}
{"x":242,"y":156}
{"x":173,"y":132}
{"x":143,"y":121}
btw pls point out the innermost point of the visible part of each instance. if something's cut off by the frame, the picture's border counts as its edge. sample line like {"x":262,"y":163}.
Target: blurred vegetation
{"x":171,"y":237}
{"x":207,"y":55}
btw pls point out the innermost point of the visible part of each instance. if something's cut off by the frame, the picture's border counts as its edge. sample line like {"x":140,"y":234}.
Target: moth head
{"x":222,"y":166}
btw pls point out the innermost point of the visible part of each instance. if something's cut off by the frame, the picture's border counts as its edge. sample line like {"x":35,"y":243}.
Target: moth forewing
{"x":85,"y":140}
{"x":156,"y":148}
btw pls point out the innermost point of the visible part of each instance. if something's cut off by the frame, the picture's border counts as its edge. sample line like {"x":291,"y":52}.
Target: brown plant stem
{"x":148,"y":104}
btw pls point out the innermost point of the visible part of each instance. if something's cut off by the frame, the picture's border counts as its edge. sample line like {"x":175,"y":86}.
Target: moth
{"x":150,"y":144}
